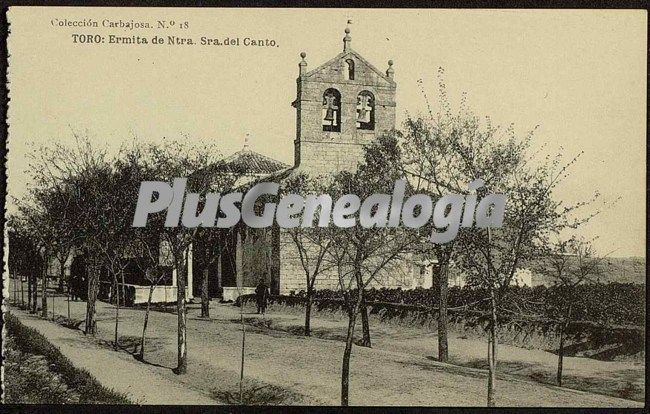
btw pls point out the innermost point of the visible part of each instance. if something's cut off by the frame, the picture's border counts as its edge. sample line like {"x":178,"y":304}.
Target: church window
{"x":366,"y":111}
{"x":350,"y":73}
{"x":331,"y":112}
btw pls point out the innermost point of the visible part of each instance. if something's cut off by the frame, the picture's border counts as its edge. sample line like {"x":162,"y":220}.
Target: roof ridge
{"x":358,"y":56}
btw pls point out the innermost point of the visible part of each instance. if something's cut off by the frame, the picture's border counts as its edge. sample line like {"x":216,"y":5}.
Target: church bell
{"x":329,"y":115}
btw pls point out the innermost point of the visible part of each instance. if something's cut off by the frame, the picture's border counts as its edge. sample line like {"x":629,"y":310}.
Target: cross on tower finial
{"x":246,"y":141}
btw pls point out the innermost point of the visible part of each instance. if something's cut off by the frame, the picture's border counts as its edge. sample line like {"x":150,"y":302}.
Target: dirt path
{"x":286,"y":368}
{"x":116,"y":370}
{"x":624,"y":379}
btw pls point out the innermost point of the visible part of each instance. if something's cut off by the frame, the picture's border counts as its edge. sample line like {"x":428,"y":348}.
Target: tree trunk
{"x":443,"y":290}
{"x":492,"y":351}
{"x":353,"y":309}
{"x":68,"y":288}
{"x":29,"y":291}
{"x":308,"y":305}
{"x":123,"y":296}
{"x":560,"y":352}
{"x":44,"y":292}
{"x":560,"y":356}
{"x":117,"y":313}
{"x":61,"y":276}
{"x":345,"y":371}
{"x":146,"y":321}
{"x":365,"y":323}
{"x":243,"y":348}
{"x":181,"y":272}
{"x":93,"y":287}
{"x":205,"y":293}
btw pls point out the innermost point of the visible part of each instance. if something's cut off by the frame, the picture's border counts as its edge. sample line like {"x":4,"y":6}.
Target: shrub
{"x":605,"y":304}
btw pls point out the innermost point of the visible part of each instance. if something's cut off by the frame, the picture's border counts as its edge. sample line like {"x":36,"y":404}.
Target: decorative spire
{"x":246,"y":141}
{"x":347,"y":40}
{"x":303,"y":64}
{"x":390,"y":71}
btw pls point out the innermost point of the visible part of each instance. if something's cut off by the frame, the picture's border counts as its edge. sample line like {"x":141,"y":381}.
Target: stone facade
{"x":292,"y":275}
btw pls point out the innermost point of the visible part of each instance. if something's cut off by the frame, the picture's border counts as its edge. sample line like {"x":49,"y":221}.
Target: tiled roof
{"x":247,"y":162}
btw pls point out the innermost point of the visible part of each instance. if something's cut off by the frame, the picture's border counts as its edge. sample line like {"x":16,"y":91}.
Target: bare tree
{"x":310,"y":242}
{"x":568,"y":263}
{"x":37,"y":223}
{"x":73,"y":173}
{"x":166,"y":163}
{"x":364,"y":255}
{"x":207,"y":249}
{"x":432,"y":161}
{"x":102,"y":226}
{"x":490,"y":257}
{"x":154,"y":275}
{"x":22,"y":253}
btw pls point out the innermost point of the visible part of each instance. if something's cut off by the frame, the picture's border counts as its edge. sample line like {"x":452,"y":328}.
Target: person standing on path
{"x":261,"y":295}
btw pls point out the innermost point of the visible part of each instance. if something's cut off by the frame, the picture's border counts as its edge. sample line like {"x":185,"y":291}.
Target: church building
{"x":341,"y":105}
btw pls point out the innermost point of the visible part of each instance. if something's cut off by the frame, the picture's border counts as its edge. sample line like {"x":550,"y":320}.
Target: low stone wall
{"x":139,"y":294}
{"x":232,"y":293}
{"x":161,"y":294}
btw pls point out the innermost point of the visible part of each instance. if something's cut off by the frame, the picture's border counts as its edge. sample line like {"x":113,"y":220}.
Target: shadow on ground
{"x":254,"y":394}
{"x":625,"y":385}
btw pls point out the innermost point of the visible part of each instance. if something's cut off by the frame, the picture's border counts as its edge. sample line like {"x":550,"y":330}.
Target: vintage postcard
{"x":325,"y":207}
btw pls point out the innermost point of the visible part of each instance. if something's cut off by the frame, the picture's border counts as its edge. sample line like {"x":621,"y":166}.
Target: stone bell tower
{"x":340,"y":106}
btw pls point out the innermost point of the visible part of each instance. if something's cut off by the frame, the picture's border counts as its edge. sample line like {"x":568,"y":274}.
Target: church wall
{"x":293,"y":279}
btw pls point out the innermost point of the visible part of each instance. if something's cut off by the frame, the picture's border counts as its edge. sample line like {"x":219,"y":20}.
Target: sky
{"x":578,"y":74}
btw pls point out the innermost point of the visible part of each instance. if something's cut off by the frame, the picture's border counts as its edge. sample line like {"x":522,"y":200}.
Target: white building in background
{"x":54,"y":269}
{"x":423,"y":274}
{"x":522,"y":277}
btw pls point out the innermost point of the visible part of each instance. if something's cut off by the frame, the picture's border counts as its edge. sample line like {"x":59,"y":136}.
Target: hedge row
{"x":612,"y":304}
{"x":605,"y":304}
{"x":90,"y":390}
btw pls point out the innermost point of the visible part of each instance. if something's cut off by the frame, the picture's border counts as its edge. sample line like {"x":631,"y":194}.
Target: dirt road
{"x":285,"y":368}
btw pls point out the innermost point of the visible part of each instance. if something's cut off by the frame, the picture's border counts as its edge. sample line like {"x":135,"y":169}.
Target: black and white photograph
{"x":325,"y":207}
